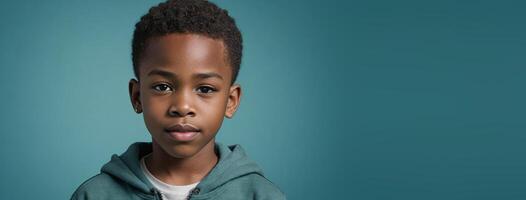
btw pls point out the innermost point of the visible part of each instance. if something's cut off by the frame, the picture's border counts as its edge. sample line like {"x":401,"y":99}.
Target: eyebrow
{"x":171,"y":75}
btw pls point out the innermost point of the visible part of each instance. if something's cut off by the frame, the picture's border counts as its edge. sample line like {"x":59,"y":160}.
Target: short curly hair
{"x":188,"y":16}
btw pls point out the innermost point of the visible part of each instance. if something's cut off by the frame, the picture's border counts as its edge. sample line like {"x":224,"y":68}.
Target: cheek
{"x":156,"y":106}
{"x":212,"y":116}
{"x":154,"y":110}
{"x":213,"y":108}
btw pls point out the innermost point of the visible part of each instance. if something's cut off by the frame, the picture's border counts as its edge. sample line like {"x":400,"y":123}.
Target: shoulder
{"x":99,"y":186}
{"x":262,"y":187}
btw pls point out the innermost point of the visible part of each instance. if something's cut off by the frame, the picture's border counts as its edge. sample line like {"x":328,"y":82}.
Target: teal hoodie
{"x":235,"y":176}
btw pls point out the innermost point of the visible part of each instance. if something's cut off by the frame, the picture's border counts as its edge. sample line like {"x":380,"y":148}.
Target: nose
{"x":182,"y":105}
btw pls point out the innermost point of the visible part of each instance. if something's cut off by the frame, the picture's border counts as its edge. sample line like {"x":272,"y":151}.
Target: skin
{"x":177,"y":96}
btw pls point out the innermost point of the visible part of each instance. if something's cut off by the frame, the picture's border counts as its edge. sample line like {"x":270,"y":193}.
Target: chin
{"x":181,"y":150}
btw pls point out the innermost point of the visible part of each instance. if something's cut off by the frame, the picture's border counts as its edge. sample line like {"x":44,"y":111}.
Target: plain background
{"x":342,"y":99}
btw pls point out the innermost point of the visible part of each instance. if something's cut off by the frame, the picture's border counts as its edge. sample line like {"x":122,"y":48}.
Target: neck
{"x":181,"y":171}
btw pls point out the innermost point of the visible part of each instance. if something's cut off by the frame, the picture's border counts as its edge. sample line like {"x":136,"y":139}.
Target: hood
{"x":233,"y":163}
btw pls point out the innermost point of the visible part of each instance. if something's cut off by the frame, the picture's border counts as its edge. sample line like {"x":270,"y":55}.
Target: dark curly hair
{"x":188,"y":16}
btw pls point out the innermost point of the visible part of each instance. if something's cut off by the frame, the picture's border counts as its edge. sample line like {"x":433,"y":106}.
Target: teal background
{"x":342,"y":100}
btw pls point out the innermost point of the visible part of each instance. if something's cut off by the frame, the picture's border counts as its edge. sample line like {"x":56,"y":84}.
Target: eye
{"x":162,"y":87}
{"x":206,"y":89}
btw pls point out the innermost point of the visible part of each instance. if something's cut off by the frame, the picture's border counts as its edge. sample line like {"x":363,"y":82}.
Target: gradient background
{"x":343,"y":100}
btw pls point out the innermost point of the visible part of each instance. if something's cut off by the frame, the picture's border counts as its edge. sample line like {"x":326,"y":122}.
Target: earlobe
{"x":134,"y":91}
{"x":229,"y":110}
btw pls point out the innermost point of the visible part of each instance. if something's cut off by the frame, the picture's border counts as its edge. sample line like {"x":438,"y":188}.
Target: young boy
{"x":186,"y":56}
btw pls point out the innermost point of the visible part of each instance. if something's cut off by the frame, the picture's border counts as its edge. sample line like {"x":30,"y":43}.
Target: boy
{"x":186,"y":56}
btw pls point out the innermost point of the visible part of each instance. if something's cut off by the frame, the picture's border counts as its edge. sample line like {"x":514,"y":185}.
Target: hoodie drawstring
{"x":195,"y":191}
{"x":157,"y":194}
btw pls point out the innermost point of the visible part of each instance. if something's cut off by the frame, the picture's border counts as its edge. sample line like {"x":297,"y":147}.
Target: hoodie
{"x":235,"y":176}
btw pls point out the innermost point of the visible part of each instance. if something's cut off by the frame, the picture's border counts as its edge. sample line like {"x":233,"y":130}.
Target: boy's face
{"x":184,"y":80}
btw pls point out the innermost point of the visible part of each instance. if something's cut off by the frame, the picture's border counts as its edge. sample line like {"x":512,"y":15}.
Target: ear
{"x":134,"y":90}
{"x":234,"y":98}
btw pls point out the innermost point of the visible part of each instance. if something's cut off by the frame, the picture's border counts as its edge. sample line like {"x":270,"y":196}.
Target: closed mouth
{"x":182,"y":128}
{"x":182,"y":132}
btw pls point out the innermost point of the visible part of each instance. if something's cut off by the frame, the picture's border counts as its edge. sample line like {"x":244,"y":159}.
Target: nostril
{"x":176,"y":113}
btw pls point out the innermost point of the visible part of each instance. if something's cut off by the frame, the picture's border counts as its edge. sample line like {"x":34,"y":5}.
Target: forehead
{"x":185,"y":53}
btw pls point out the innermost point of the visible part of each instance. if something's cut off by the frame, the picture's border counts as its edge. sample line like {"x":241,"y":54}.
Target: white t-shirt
{"x":169,"y":192}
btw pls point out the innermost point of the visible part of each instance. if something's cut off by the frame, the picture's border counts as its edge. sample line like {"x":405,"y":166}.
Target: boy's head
{"x":186,"y":56}
{"x":188,"y":16}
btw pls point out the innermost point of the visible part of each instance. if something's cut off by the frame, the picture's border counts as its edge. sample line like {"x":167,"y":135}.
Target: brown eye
{"x":206,"y":89}
{"x":162,"y":88}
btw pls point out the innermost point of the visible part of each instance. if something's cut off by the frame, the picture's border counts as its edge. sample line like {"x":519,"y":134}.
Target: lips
{"x":182,"y":128}
{"x":182,"y":132}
